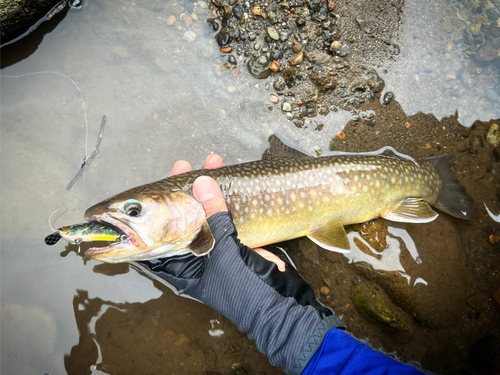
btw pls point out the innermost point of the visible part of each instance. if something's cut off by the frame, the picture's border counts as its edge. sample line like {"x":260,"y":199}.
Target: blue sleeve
{"x":344,"y":355}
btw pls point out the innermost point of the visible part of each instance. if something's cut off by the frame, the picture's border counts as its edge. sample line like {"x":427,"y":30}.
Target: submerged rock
{"x":259,"y":67}
{"x":375,"y":308}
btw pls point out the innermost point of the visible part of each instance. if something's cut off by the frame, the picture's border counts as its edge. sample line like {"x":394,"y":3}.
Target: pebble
{"x":226,"y":49}
{"x":223,"y":39}
{"x":296,"y":59}
{"x":171,"y":20}
{"x":190,"y":36}
{"x":273,"y":33}
{"x":478,"y":301}
{"x":336,"y":46}
{"x":286,"y":107}
{"x":187,"y":19}
{"x":279,"y":84}
{"x":388,"y":96}
{"x":231,"y":89}
{"x":274,"y":98}
{"x":491,"y":95}
{"x":325,"y":290}
{"x":274,"y":66}
{"x":296,"y":47}
{"x":447,"y":56}
{"x":493,"y":135}
{"x":259,"y":67}
{"x":238,"y":11}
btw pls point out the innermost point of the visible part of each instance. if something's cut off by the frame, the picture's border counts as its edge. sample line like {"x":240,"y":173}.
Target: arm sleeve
{"x":342,"y":354}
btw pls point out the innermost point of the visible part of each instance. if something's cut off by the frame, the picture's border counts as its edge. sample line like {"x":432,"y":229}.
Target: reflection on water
{"x":388,"y":258}
{"x":449,"y":60}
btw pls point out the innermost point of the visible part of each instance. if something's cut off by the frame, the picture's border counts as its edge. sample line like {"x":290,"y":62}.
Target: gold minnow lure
{"x":85,"y":232}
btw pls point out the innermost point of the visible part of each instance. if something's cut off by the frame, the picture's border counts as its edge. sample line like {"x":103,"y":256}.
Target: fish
{"x":85,"y":232}
{"x":280,"y":198}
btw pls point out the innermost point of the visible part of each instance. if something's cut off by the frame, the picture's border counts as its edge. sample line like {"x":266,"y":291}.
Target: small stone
{"x":273,"y":33}
{"x":493,"y":135}
{"x":231,"y":89}
{"x":194,"y":17}
{"x":388,"y":96}
{"x":325,"y":290}
{"x":323,"y":81}
{"x":274,"y":98}
{"x":296,"y":47}
{"x":187,"y":19}
{"x":296,"y":59}
{"x":286,"y":107}
{"x":256,"y":11}
{"x":279,"y":84}
{"x":226,"y":49}
{"x":491,"y":95}
{"x":336,"y":46}
{"x":171,"y":20}
{"x":259,"y":67}
{"x":228,"y":12}
{"x":447,"y":56}
{"x":274,"y":66}
{"x":238,"y":11}
{"x":190,"y":36}
{"x":478,"y":301}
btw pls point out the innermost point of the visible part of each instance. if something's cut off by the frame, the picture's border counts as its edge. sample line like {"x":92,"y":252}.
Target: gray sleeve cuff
{"x":314,"y":342}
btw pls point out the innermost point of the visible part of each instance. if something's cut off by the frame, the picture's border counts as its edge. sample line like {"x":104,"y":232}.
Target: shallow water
{"x":165,"y":99}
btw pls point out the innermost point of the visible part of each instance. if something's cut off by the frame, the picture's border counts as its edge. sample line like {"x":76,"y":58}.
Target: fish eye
{"x":132,"y":208}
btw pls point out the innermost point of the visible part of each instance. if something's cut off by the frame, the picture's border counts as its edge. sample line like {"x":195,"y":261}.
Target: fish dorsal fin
{"x":411,"y":210}
{"x":332,"y":237}
{"x":278,"y":149}
{"x":203,"y":242}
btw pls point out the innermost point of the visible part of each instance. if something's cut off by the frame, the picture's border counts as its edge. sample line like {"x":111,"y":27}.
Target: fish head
{"x":154,"y":224}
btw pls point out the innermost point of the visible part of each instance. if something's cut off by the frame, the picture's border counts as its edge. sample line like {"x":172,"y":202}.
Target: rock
{"x":190,"y":36}
{"x":228,"y":12}
{"x":447,"y":56}
{"x":238,"y":11}
{"x":223,"y":38}
{"x":493,"y":14}
{"x":274,"y":66}
{"x":171,"y":20}
{"x":491,"y":95}
{"x":478,"y":301}
{"x":323,"y":81}
{"x":375,"y":308}
{"x":286,"y":107}
{"x":319,"y":58}
{"x":273,"y":33}
{"x":279,"y":84}
{"x":256,"y":11}
{"x":296,"y":47}
{"x":296,"y":59}
{"x":19,"y":15}
{"x":272,"y":17}
{"x":274,"y":98}
{"x":387,"y":99}
{"x":336,"y":46}
{"x":467,"y":36}
{"x":186,"y":19}
{"x":488,"y":52}
{"x":493,"y":135}
{"x":325,"y":290}
{"x":259,"y":67}
{"x":226,"y":49}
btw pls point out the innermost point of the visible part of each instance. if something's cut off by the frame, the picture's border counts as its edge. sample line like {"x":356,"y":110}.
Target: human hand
{"x":253,"y":288}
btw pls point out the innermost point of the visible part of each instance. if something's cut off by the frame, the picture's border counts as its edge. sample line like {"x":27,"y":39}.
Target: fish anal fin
{"x":411,"y":210}
{"x":203,"y":242}
{"x":332,"y":237}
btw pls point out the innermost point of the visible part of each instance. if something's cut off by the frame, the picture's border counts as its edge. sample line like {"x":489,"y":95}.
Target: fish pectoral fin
{"x":203,"y":242}
{"x":411,"y":210}
{"x":332,"y":237}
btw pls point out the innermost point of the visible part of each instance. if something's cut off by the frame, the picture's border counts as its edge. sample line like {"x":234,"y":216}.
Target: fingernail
{"x":207,"y":186}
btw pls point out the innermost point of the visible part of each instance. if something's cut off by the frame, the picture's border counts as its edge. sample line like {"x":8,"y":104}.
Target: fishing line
{"x":79,"y":91}
{"x":50,"y":217}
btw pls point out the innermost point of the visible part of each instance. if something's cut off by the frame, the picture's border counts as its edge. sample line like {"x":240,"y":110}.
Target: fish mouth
{"x":129,"y":240}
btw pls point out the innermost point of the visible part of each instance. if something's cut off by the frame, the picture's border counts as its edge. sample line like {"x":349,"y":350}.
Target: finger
{"x":207,"y":191}
{"x":180,"y":166}
{"x":213,"y":161}
{"x":271,"y":257}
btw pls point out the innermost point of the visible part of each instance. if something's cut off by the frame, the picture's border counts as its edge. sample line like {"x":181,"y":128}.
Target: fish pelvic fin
{"x":331,"y":237}
{"x":453,"y":199}
{"x":411,"y":210}
{"x":204,"y":242}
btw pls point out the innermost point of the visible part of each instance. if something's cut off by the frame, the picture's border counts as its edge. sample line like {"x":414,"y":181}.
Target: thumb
{"x":207,"y":191}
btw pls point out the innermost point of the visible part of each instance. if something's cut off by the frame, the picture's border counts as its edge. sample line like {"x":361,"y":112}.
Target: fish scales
{"x":299,"y":195}
{"x":279,"y":199}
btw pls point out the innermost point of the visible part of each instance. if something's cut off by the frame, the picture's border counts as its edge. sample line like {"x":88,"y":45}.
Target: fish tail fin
{"x":453,"y":198}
